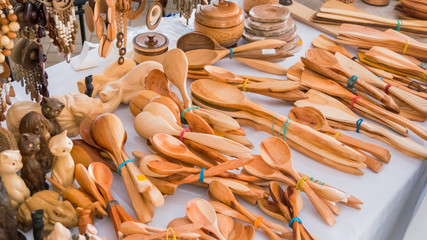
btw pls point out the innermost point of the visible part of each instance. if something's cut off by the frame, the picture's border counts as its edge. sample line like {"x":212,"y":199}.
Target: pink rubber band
{"x":181,"y":136}
{"x":353,"y":101}
{"x":386,"y":88}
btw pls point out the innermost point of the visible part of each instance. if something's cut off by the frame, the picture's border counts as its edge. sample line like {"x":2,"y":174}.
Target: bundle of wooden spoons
{"x":272,"y":21}
{"x":366,"y":37}
{"x":336,"y":12}
{"x":412,"y":9}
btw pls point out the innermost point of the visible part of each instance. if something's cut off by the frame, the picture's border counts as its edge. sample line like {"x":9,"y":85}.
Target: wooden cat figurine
{"x":63,"y":171}
{"x":8,"y":222}
{"x":32,"y":173}
{"x":10,"y":164}
{"x":34,"y":122}
{"x":51,"y":109}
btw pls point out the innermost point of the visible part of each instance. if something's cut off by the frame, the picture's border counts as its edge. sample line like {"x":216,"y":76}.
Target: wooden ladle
{"x":224,"y":195}
{"x":314,"y":118}
{"x":277,"y":154}
{"x":201,"y":211}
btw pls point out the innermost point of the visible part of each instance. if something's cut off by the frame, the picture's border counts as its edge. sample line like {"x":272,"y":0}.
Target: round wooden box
{"x":377,"y":2}
{"x":150,"y":46}
{"x":248,"y":4}
{"x":221,"y":20}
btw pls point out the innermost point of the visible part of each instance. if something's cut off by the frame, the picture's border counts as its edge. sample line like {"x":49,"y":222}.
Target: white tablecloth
{"x":389,"y":197}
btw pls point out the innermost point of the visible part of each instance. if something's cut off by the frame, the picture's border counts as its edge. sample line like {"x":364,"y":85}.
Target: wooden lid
{"x":150,"y":42}
{"x":288,"y":24}
{"x":269,"y":13}
{"x":220,"y":14}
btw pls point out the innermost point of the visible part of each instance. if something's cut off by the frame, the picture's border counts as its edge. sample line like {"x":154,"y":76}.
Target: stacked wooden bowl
{"x":272,"y":21}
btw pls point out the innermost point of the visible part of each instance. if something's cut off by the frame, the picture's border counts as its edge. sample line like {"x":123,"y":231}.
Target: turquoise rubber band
{"x":285,"y":128}
{"x":382,"y":78}
{"x":187,"y":109}
{"x":123,"y":164}
{"x":399,"y":24}
{"x":293,"y":220}
{"x":273,"y":125}
{"x":202,"y":174}
{"x":423,"y":65}
{"x":358,"y":124}
{"x":231,"y":53}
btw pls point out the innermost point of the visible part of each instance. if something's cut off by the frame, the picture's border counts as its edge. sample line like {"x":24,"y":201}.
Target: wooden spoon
{"x":276,"y":153}
{"x":260,"y":169}
{"x":158,"y":109}
{"x":174,"y":148}
{"x":326,"y":60}
{"x":278,"y":196}
{"x":86,"y":182}
{"x":223,"y":194}
{"x":108,"y":132}
{"x":183,"y":221}
{"x":314,"y":118}
{"x":85,"y":154}
{"x":147,"y":125}
{"x":198,"y":58}
{"x":238,"y":232}
{"x":175,"y":66}
{"x":201,"y":211}
{"x":225,"y":224}
{"x":157,"y":81}
{"x":249,"y":232}
{"x":328,"y":44}
{"x":220,"y":122}
{"x":168,"y":168}
{"x":225,"y":95}
{"x":103,"y":179}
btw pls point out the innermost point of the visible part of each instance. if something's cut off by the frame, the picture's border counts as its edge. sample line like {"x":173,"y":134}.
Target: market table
{"x":389,"y":197}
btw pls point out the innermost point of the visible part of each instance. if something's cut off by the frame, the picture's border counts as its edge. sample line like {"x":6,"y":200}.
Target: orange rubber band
{"x":258,"y":221}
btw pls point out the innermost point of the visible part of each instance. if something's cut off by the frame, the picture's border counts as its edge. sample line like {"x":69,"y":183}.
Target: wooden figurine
{"x":10,"y":164}
{"x":85,"y":219}
{"x":32,"y":173}
{"x":130,"y":84}
{"x":63,"y":171}
{"x":36,"y":123}
{"x":110,"y":74}
{"x":38,"y":224}
{"x":8,"y":222}
{"x":76,"y":108}
{"x":54,"y":209}
{"x":59,"y":233}
{"x":51,"y":109}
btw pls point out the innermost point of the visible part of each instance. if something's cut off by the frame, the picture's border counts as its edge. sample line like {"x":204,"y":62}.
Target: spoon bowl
{"x":201,"y":211}
{"x":223,"y":75}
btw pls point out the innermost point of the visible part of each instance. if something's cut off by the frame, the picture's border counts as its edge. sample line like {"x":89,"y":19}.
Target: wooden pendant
{"x":154,"y":15}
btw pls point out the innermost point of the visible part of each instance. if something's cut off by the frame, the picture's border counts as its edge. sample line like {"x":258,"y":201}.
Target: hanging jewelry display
{"x":62,"y":25}
{"x":27,"y":55}
{"x":123,"y":7}
{"x":186,"y":7}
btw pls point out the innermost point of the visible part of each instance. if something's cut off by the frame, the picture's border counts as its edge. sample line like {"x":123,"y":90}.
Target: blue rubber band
{"x":399,"y":24}
{"x":293,"y":220}
{"x":231,"y":53}
{"x":358,"y":123}
{"x":382,"y":78}
{"x":273,"y":125}
{"x":351,"y":82}
{"x":423,"y":65}
{"x":202,"y":174}
{"x":187,"y":109}
{"x":285,"y":128}
{"x":123,"y":164}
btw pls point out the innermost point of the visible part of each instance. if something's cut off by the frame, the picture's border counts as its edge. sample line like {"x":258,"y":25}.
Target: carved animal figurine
{"x":34,"y":122}
{"x":10,"y":164}
{"x":63,"y":171}
{"x":8,"y":222}
{"x":110,"y":74}
{"x":51,"y":109}
{"x":130,"y":84}
{"x":59,"y":233}
{"x":89,"y":85}
{"x":77,"y":107}
{"x":85,"y":219}
{"x":38,"y":224}
{"x":32,"y":173}
{"x":54,"y":209}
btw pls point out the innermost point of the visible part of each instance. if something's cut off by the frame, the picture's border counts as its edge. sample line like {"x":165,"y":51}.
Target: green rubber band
{"x":187,"y":109}
{"x":399,"y":24}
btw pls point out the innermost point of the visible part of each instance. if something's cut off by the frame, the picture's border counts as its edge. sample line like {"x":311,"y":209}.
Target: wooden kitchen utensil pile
{"x":412,"y":9}
{"x":336,"y":12}
{"x":272,"y":21}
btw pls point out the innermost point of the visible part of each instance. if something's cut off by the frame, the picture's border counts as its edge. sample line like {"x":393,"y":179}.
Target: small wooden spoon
{"x":168,"y":168}
{"x":157,"y":81}
{"x":86,"y":182}
{"x":223,"y":194}
{"x":314,"y":118}
{"x":225,"y":224}
{"x":158,"y":109}
{"x":103,"y":179}
{"x":174,"y":148}
{"x":276,"y":153}
{"x":175,"y":66}
{"x":183,"y":221}
{"x":201,"y":211}
{"x":260,"y":169}
{"x":238,"y":232}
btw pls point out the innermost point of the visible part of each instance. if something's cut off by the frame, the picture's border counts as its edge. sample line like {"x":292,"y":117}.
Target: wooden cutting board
{"x":272,"y":33}
{"x":291,"y":35}
{"x":269,"y":13}
{"x":269,"y":26}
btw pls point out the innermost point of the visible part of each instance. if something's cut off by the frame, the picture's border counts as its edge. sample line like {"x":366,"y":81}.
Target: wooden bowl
{"x":150,"y":46}
{"x":221,"y":20}
{"x":377,"y":2}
